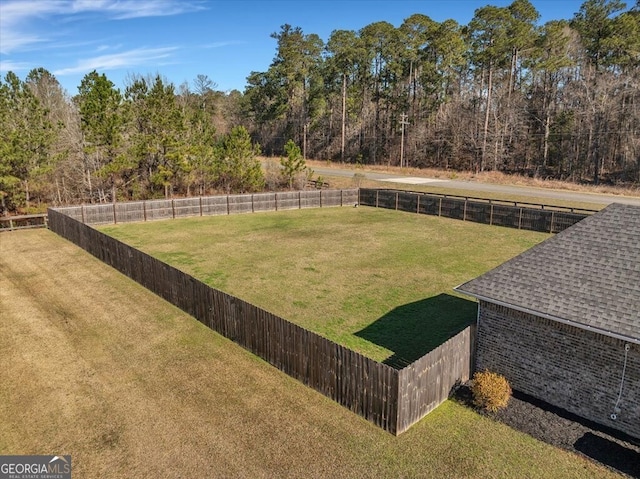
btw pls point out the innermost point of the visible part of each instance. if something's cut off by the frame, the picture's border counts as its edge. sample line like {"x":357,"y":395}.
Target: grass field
{"x":377,"y":281}
{"x":95,"y":366}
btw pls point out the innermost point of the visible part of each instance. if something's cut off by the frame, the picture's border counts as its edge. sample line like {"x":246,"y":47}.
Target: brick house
{"x":561,"y":321}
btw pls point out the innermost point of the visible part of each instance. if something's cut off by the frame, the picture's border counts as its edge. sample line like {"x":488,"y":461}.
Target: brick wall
{"x":568,"y":367}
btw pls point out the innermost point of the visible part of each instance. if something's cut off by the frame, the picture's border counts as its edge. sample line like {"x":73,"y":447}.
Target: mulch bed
{"x":563,"y":429}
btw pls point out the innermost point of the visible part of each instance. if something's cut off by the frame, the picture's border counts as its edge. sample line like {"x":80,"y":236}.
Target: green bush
{"x":491,"y":391}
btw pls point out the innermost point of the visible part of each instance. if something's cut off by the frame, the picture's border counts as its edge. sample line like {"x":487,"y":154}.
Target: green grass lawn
{"x":377,"y":281}
{"x":96,"y":366}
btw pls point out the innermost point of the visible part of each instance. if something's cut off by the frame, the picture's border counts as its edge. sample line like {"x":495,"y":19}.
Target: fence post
{"x":276,"y":196}
{"x":341,"y":197}
{"x":299,"y":200}
{"x":418,"y":205}
{"x":200,"y":198}
{"x":82,"y":213}
{"x":397,"y":194}
{"x":320,"y":198}
{"x":464,"y":210}
{"x":115,"y":219}
{"x":551,"y":225}
{"x":377,"y":194}
{"x":144,"y":210}
{"x":491,"y":214}
{"x":520,"y":220}
{"x":173,"y":209}
{"x":227,"y":204}
{"x":440,"y":207}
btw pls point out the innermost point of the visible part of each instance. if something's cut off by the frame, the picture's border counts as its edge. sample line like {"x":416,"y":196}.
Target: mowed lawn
{"x":95,"y":366}
{"x":377,"y":281}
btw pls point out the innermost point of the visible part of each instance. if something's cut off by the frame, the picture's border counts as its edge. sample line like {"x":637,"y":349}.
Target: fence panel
{"x":184,"y":207}
{"x":348,"y":197}
{"x":452,"y":208}
{"x":158,"y":210}
{"x":386,"y":199}
{"x":310,"y":199}
{"x":429,"y":205}
{"x":215,"y":205}
{"x":477,"y":212}
{"x":288,"y":200}
{"x":562,"y":220}
{"x":75,"y":212}
{"x":367,"y":197}
{"x":240,"y":204}
{"x":408,"y":201}
{"x":99,"y":214}
{"x":535,"y":220}
{"x":339,"y":197}
{"x":129,"y":212}
{"x":264,"y":202}
{"x":430,"y":380}
{"x":504,"y":215}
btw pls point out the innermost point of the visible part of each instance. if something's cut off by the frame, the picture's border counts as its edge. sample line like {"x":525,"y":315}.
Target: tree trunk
{"x":486,"y":119}
{"x":344,"y":115}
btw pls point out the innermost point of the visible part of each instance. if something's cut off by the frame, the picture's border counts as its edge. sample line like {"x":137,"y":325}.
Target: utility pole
{"x":403,"y":123}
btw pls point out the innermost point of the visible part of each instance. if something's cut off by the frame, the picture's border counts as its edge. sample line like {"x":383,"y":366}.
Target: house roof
{"x":587,"y":275}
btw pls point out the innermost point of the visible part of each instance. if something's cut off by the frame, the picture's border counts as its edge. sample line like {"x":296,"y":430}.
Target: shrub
{"x":491,"y":391}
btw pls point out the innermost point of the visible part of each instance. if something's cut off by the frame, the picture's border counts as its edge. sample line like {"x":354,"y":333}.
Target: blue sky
{"x":180,"y":39}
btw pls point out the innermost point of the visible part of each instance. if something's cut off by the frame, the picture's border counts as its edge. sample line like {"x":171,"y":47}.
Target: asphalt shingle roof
{"x":588,"y":274}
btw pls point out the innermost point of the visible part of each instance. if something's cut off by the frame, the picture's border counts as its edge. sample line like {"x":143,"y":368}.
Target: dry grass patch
{"x":97,"y":367}
{"x":495,"y":177}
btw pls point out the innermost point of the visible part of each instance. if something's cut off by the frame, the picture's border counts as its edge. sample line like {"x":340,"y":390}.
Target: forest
{"x":556,"y":100}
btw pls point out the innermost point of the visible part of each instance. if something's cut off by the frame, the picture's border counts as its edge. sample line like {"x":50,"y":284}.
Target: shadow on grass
{"x":609,"y":453}
{"x":414,"y":329}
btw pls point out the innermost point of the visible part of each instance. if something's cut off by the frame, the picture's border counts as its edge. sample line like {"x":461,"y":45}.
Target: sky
{"x":181,"y":39}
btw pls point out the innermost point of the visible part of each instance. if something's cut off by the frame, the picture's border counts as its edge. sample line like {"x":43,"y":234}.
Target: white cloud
{"x":131,"y":58}
{"x":126,"y":9}
{"x":222,"y":44}
{"x":9,"y":66}
{"x":14,"y":20}
{"x":103,"y":48}
{"x":17,"y":18}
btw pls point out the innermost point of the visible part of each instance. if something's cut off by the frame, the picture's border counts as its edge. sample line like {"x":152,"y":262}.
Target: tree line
{"x":558,"y":100}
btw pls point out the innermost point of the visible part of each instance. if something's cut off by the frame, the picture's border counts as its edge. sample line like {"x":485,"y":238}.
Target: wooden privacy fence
{"x":209,"y":205}
{"x":527,"y":216}
{"x":390,"y":398}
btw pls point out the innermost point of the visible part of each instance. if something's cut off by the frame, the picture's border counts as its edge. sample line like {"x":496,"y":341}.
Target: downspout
{"x":616,"y":408}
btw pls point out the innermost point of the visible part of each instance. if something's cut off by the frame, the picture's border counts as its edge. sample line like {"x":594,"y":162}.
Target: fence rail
{"x":390,"y":398}
{"x":528,"y":216}
{"x":10,"y":223}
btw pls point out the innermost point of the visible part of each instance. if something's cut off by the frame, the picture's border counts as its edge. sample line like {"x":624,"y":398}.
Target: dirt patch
{"x":558,"y":427}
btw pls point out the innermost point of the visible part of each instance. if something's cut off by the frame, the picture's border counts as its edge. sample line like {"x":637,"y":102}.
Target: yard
{"x":377,"y":281}
{"x":95,"y":366}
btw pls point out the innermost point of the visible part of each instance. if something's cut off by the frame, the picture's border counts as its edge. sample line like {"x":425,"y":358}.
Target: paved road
{"x":537,"y":194}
